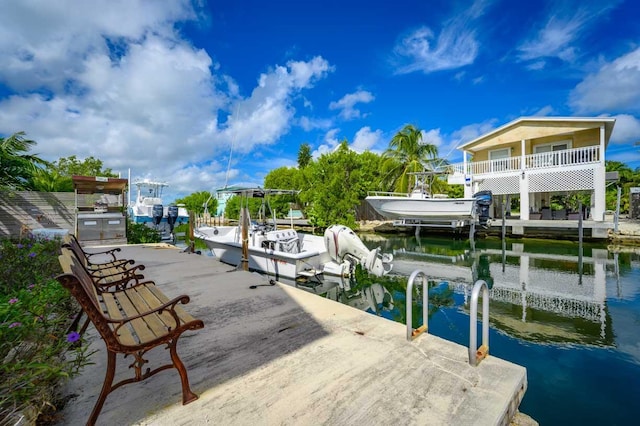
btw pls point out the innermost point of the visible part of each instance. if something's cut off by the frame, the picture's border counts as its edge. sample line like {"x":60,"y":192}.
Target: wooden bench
{"x":131,"y":321}
{"x":71,"y":242}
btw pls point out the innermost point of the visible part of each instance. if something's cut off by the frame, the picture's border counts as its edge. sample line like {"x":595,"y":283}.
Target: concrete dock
{"x":277,"y":355}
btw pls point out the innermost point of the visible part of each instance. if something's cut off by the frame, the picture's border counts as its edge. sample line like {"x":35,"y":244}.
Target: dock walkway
{"x":277,"y":355}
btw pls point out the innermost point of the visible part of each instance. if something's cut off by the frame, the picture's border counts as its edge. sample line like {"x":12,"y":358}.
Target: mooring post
{"x":192,"y":241}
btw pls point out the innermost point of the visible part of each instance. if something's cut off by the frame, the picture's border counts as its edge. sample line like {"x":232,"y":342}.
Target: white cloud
{"x":626,"y":130}
{"x":308,"y":123}
{"x":544,"y":111}
{"x":365,"y":139}
{"x":558,"y":36}
{"x":614,"y":87}
{"x":455,"y":46}
{"x":266,"y":114}
{"x":347,"y":103}
{"x":330,"y":143}
{"x":114,"y":80}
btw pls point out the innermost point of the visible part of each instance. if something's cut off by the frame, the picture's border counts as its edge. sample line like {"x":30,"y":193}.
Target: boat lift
{"x":479,"y":215}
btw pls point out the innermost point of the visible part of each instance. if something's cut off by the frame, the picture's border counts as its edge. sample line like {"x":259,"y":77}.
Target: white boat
{"x":148,"y":208}
{"x":420,"y":204}
{"x":285,"y":253}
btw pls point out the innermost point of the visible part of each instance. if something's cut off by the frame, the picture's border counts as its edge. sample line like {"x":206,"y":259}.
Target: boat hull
{"x":225,"y":246}
{"x":401,"y":207}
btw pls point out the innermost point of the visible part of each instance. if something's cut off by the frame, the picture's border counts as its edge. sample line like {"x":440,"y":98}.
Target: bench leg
{"x":106,"y":387}
{"x":187,"y":395}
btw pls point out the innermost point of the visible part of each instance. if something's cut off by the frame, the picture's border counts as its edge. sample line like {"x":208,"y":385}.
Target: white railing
{"x":567,"y":157}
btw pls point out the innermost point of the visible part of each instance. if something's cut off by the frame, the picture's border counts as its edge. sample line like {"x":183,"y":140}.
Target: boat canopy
{"x":257,"y":192}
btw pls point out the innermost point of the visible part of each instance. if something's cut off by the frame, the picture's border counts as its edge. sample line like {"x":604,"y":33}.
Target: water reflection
{"x":538,"y":293}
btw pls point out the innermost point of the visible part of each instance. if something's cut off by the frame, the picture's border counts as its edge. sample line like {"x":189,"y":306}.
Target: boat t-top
{"x":148,"y":207}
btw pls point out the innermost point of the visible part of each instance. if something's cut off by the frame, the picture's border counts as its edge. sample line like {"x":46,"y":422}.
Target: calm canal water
{"x":572,"y":320}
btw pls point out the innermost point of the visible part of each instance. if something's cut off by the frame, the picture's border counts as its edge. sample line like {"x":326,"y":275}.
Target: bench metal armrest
{"x":123,"y":273}
{"x":121,"y":285}
{"x":107,"y":252}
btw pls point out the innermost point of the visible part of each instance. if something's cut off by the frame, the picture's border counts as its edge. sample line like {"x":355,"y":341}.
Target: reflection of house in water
{"x":540,"y":297}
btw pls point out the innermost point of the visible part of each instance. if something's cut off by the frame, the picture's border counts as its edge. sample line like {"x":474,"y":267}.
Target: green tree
{"x":283,"y":178}
{"x":16,"y":166}
{"x":406,"y":154}
{"x":70,"y":166}
{"x":57,"y":176}
{"x":627,"y":178}
{"x":232,"y":208}
{"x":337,"y":182}
{"x":50,"y":180}
{"x":196,"y":202}
{"x":304,"y":155}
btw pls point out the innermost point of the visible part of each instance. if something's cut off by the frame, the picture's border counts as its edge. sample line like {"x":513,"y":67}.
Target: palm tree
{"x":17,"y":167}
{"x":407,"y":154}
{"x":50,"y":180}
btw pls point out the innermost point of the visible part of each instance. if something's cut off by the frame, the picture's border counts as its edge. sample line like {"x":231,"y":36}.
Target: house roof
{"x":538,"y":127}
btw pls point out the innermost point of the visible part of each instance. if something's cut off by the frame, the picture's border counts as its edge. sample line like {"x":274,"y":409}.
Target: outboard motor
{"x":172,"y":216}
{"x":157,"y":211}
{"x":345,"y":247}
{"x":483,"y":201}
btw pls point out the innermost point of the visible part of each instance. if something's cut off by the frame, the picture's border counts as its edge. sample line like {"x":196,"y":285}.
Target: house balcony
{"x":545,"y":160}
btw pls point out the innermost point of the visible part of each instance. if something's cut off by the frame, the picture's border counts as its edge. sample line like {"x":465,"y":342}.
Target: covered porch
{"x":538,"y":157}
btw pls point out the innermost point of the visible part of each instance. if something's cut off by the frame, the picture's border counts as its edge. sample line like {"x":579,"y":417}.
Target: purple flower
{"x":74,"y":336}
{"x":13,"y":300}
{"x":32,"y":255}
{"x":19,"y":245}
{"x":30,"y":286}
{"x":15,"y":324}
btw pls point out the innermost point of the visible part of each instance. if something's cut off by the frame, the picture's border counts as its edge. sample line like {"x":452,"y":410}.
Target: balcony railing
{"x":567,"y":157}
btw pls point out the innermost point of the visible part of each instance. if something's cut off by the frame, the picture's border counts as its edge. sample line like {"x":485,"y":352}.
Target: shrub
{"x":36,"y":351}
{"x":139,"y":233}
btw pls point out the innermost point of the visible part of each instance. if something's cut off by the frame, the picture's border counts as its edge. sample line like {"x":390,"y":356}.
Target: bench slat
{"x":139,"y":325}
{"x":154,"y":322}
{"x":184,"y":316}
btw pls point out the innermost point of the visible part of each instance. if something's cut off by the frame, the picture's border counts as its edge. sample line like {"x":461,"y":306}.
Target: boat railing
{"x":387,"y":194}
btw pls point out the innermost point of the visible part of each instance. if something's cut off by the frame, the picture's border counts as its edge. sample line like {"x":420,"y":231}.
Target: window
{"x":550,"y":154}
{"x":499,"y":159}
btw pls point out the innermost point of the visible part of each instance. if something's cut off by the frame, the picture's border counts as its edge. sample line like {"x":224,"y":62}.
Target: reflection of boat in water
{"x":420,"y":204}
{"x":375,"y":299}
{"x":148,"y":208}
{"x":287,"y":253}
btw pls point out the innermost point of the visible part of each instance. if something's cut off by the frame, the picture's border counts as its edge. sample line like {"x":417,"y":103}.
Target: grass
{"x":38,"y":353}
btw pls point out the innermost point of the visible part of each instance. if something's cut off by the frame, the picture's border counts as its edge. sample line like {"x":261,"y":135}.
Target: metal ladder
{"x":476,"y":354}
{"x":411,"y":332}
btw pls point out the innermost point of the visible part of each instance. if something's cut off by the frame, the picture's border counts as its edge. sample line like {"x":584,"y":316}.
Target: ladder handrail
{"x":411,"y":332}
{"x":477,"y":354}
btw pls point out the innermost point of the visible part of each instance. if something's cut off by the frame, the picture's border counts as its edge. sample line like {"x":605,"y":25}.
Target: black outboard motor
{"x":172,"y":216}
{"x":157,"y":212}
{"x":483,"y":201}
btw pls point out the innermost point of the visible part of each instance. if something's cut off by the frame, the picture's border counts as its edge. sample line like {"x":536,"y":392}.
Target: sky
{"x":203,"y":94}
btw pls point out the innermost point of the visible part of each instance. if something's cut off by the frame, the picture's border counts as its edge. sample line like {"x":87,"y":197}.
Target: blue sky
{"x":202,"y":93}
